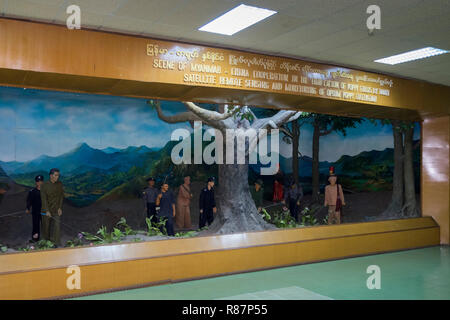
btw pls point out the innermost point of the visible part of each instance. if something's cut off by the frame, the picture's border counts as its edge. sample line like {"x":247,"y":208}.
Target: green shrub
{"x":186,"y":234}
{"x":44,"y":244}
{"x":282,"y":219}
{"x":154,"y":228}
{"x":266,"y":215}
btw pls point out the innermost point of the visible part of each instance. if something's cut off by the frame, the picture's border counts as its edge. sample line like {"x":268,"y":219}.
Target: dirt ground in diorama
{"x":15,"y":230}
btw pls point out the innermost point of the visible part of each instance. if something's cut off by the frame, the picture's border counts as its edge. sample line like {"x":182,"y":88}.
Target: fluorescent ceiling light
{"x":237,"y":19}
{"x":412,"y":55}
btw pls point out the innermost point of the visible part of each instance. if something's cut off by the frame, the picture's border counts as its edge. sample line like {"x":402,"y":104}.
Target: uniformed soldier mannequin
{"x":52,"y":197}
{"x":149,"y":196}
{"x":207,"y":204}
{"x":34,"y":203}
{"x":292,"y":196}
{"x":257,"y":194}
{"x":166,"y":202}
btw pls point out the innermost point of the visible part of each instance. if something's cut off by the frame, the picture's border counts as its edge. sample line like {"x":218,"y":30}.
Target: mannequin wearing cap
{"x":207,"y":204}
{"x":333,"y":194}
{"x":149,"y":195}
{"x":34,"y":204}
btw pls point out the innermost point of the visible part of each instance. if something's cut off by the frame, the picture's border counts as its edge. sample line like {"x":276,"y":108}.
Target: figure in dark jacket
{"x":257,"y":194}
{"x":292,"y":196}
{"x":34,"y":204}
{"x":166,"y":202}
{"x":207,"y":204}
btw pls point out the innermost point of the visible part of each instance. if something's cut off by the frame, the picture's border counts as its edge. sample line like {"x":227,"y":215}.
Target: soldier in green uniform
{"x":257,"y":194}
{"x":52,"y":196}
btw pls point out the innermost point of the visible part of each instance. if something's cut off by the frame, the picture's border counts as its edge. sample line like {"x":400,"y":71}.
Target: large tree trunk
{"x":410,"y":208}
{"x":315,"y":163}
{"x":395,"y":207}
{"x":236,"y":210}
{"x":295,"y":142}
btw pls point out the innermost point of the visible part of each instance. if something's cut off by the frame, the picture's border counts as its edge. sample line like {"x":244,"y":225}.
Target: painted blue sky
{"x":364,"y":137}
{"x":37,"y":122}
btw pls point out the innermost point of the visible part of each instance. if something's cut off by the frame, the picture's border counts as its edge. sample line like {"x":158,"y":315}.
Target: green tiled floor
{"x":292,"y":293}
{"x":413,"y":274}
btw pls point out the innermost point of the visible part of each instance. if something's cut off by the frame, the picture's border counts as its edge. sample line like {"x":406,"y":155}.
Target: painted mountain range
{"x":82,"y":159}
{"x":89,"y":174}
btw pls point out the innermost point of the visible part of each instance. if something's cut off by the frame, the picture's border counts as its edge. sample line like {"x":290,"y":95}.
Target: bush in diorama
{"x":283,"y":219}
{"x":122,"y":232}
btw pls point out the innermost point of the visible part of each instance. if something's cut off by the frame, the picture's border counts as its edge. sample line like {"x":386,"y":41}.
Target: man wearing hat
{"x":334,"y":199}
{"x":34,"y":204}
{"x":257,"y":194}
{"x":207,"y":204}
{"x":292,"y":196}
{"x":149,"y":195}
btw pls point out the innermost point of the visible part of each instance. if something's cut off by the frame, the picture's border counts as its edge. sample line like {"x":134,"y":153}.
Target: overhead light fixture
{"x":412,"y":55}
{"x":237,"y":19}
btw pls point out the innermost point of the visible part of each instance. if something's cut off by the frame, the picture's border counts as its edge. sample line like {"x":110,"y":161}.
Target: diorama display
{"x":114,"y":163}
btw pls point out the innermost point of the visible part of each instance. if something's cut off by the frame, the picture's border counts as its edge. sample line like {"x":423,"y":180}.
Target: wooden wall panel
{"x":103,"y":59}
{"x":43,"y":274}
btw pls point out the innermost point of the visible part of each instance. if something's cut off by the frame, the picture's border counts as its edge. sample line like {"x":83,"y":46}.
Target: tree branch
{"x":180,"y":117}
{"x":207,"y":115}
{"x":274,"y":122}
{"x":277,"y":120}
{"x":286,"y":132}
{"x":294,"y":117}
{"x":324,"y":133}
